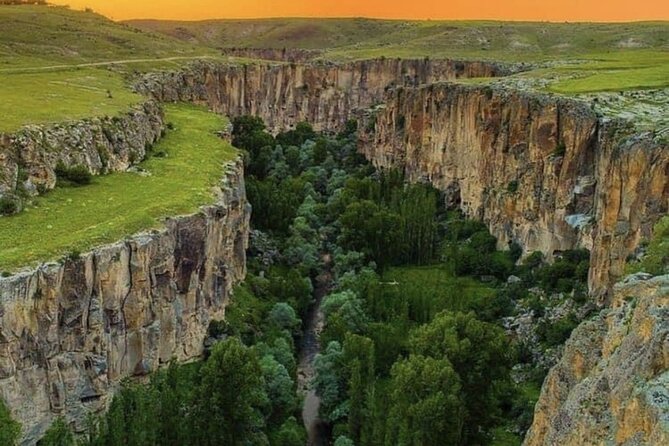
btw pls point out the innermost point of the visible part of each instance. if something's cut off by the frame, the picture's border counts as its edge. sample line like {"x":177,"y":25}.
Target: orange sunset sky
{"x":552,"y":10}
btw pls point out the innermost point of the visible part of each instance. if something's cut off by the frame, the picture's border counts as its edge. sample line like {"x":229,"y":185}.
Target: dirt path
{"x":310,"y":347}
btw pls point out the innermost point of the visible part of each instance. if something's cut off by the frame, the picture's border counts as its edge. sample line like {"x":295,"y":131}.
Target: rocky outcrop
{"x":69,"y":333}
{"x":539,"y":171}
{"x":612,"y":384}
{"x":324,"y":94}
{"x":28,"y":158}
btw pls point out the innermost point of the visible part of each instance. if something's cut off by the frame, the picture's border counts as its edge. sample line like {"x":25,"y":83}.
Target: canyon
{"x":541,"y":171}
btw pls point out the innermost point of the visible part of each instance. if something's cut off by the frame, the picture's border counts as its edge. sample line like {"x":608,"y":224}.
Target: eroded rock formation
{"x":612,"y":384}
{"x":70,"y":332}
{"x":543,"y":172}
{"x":29,"y":157}
{"x":324,"y":94}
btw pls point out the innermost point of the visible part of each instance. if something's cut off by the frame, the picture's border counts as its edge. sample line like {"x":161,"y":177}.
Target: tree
{"x":372,"y":230}
{"x":344,"y":313}
{"x":359,"y":360}
{"x":59,"y":434}
{"x":283,"y":317}
{"x":291,"y":433}
{"x":10,"y":430}
{"x":279,"y":387}
{"x":329,"y":383}
{"x":480,"y":355}
{"x":230,"y":396}
{"x":426,"y":409}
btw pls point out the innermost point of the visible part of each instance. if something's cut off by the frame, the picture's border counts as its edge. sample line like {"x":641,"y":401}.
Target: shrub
{"x":71,"y":256}
{"x":512,"y":187}
{"x":556,"y":333}
{"x":78,"y":175}
{"x":9,"y":205}
{"x":560,"y":150}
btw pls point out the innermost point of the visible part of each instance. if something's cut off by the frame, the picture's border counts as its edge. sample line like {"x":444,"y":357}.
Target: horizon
{"x":570,"y":11}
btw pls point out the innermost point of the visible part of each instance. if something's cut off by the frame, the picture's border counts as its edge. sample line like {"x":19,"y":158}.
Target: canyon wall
{"x":324,"y":94}
{"x":543,"y":172}
{"x":70,"y":332}
{"x":29,"y":157}
{"x":612,"y":384}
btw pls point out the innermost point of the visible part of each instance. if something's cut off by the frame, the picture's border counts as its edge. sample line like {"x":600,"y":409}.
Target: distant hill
{"x":46,"y":35}
{"x":359,"y":38}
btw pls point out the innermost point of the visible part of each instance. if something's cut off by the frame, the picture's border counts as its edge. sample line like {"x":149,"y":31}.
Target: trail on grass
{"x":100,"y":64}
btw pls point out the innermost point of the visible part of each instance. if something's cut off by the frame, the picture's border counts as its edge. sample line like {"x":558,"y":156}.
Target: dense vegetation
{"x":413,"y":349}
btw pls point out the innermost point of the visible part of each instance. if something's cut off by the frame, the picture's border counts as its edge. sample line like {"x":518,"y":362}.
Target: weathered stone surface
{"x":102,"y":145}
{"x":612,"y":384}
{"x":69,"y":333}
{"x":539,"y":171}
{"x":324,"y":94}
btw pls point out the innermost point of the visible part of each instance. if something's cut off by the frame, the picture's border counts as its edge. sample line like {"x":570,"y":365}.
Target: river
{"x":309,"y":348}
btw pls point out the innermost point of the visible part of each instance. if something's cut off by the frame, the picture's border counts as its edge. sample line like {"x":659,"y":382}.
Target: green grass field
{"x":434,"y":288}
{"x":46,"y":97}
{"x":116,"y":205}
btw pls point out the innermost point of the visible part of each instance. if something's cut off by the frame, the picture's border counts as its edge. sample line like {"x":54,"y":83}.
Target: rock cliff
{"x":69,"y":333}
{"x":324,"y":94}
{"x":29,"y":157}
{"x":543,"y":172}
{"x":612,"y":384}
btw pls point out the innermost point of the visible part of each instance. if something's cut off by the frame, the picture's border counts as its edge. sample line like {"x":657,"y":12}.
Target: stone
{"x":611,"y":384}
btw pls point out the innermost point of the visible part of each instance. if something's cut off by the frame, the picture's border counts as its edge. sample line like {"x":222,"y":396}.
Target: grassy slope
{"x":362,"y":38}
{"x":45,"y":97}
{"x":613,"y":56}
{"x":116,"y":205}
{"x":42,"y":48}
{"x":35,"y":36}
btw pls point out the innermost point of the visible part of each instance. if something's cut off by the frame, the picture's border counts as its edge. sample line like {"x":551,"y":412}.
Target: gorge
{"x":544,"y":172}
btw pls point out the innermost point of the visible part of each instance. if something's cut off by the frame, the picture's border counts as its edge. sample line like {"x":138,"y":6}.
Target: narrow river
{"x":310,"y":347}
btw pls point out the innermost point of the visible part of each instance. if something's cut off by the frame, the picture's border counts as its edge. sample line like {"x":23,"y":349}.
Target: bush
{"x":556,"y":333}
{"x":78,"y":175}
{"x":560,"y":150}
{"x":512,"y":187}
{"x":9,"y":205}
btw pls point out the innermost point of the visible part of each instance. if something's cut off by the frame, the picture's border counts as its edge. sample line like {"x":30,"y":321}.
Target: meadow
{"x":76,"y":219}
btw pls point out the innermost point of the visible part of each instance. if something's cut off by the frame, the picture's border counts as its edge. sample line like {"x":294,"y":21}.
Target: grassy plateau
{"x":46,"y":97}
{"x":113,"y":206}
{"x":577,"y":57}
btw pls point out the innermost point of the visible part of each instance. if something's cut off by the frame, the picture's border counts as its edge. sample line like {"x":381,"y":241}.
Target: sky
{"x":543,"y":10}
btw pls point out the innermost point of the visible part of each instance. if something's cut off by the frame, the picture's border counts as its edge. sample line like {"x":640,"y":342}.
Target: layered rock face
{"x":28,"y":158}
{"x":70,"y":333}
{"x":612,"y":384}
{"x":324,"y":94}
{"x":542,"y":172}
